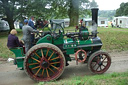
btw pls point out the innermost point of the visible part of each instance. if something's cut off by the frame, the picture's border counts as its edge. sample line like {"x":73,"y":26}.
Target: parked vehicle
{"x":4,"y":26}
{"x":121,"y":22}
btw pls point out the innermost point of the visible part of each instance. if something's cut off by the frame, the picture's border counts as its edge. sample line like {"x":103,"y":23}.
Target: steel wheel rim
{"x":101,"y":64}
{"x":50,"y":72}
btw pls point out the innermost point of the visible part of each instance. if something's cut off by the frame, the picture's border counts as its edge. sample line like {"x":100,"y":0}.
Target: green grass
{"x":112,"y":38}
{"x":105,"y":79}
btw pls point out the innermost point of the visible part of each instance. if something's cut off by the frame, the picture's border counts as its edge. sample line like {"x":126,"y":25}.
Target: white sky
{"x":109,"y":4}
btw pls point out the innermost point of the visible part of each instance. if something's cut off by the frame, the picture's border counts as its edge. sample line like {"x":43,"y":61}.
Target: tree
{"x":78,"y":8}
{"x":17,"y":9}
{"x":36,"y":8}
{"x":69,"y":8}
{"x":7,"y":8}
{"x":123,"y":10}
{"x":74,"y":12}
{"x":11,"y":10}
{"x":14,"y":9}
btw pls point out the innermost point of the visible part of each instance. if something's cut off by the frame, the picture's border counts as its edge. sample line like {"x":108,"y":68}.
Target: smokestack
{"x":94,"y":21}
{"x":94,"y":15}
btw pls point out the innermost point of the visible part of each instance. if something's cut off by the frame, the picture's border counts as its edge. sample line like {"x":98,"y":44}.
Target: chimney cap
{"x":94,"y":8}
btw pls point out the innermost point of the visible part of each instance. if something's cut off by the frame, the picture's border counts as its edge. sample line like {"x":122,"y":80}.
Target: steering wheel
{"x":55,"y":32}
{"x":56,"y":35}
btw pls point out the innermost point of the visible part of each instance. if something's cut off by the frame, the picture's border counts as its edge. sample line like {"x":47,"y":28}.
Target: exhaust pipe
{"x":94,"y":21}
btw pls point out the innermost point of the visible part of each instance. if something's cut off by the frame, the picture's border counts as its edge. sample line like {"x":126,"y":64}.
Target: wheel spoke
{"x":94,"y":65}
{"x":55,"y":67}
{"x":51,"y":55}
{"x":47,"y":52}
{"x":105,"y":62}
{"x":97,"y":67}
{"x":35,"y":67}
{"x":33,"y":63}
{"x":98,"y":59}
{"x":103,"y":65}
{"x":42,"y":53}
{"x":55,"y":63}
{"x":37,"y":55}
{"x":47,"y":73}
{"x":42,"y":72}
{"x":51,"y":70}
{"x":101,"y":56}
{"x":100,"y":68}
{"x":35,"y":59}
{"x":38,"y":71}
{"x":54,"y":58}
{"x":104,"y":59}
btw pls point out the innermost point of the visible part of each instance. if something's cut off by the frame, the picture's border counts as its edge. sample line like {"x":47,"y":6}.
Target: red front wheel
{"x":99,"y":62}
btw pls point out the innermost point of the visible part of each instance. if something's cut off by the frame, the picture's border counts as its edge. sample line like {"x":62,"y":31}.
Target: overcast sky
{"x":109,"y":4}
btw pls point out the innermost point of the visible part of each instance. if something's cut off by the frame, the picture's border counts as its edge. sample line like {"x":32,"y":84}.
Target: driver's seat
{"x":19,"y":56}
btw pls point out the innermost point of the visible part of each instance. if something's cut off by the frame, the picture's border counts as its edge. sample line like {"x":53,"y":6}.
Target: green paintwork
{"x":70,"y":51}
{"x":84,"y":34}
{"x":45,"y":39}
{"x":70,"y":46}
{"x":58,"y":40}
{"x":18,"y":51}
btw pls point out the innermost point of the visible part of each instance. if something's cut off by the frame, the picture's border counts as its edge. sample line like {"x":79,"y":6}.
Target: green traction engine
{"x":47,"y":59}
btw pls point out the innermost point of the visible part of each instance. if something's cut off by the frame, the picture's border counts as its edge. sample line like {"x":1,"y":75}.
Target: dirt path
{"x":9,"y":75}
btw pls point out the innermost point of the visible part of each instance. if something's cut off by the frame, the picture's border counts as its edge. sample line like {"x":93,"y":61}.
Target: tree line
{"x":107,"y":13}
{"x":11,"y":10}
{"x":123,"y":10}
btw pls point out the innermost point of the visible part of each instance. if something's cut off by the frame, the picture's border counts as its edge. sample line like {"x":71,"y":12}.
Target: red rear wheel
{"x":44,"y":62}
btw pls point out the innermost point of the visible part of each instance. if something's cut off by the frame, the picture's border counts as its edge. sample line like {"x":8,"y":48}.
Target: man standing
{"x":31,"y":24}
{"x":27,"y":30}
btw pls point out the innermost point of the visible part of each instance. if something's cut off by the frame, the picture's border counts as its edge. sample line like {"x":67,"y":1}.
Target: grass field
{"x":112,"y":38}
{"x":105,"y":79}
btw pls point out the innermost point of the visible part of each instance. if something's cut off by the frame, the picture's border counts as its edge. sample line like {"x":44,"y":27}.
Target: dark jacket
{"x":31,"y":24}
{"x":13,"y":41}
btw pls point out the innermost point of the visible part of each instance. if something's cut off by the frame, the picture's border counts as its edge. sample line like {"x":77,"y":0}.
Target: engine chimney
{"x":94,"y":15}
{"x":94,"y":21}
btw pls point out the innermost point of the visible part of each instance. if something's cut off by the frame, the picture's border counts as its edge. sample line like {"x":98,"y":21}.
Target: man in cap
{"x":27,"y":30}
{"x":31,"y":24}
